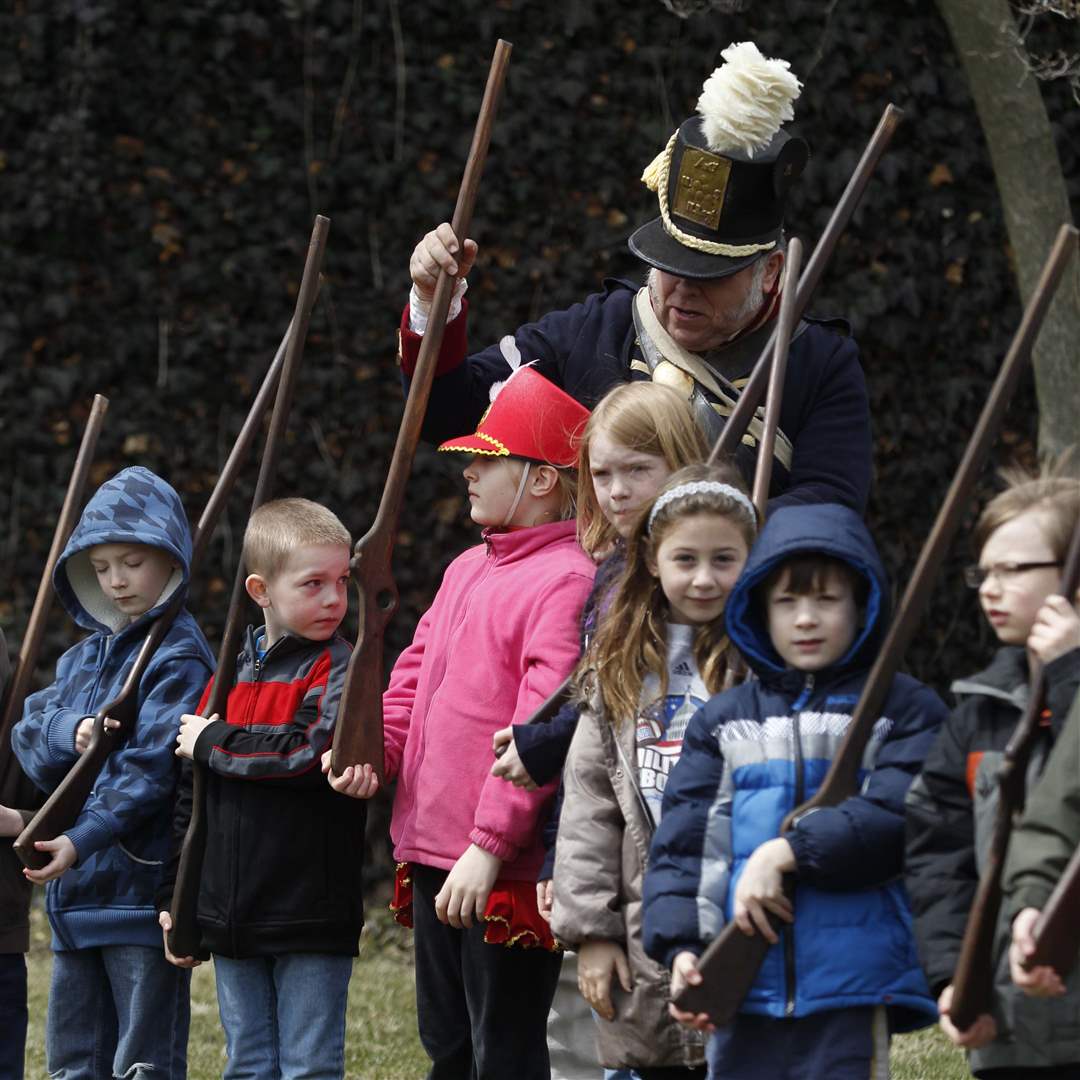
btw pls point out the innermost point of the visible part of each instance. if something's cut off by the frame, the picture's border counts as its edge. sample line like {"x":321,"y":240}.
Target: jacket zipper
{"x":800,"y":797}
{"x":491,"y":561}
{"x":257,"y":666}
{"x":691,"y":1042}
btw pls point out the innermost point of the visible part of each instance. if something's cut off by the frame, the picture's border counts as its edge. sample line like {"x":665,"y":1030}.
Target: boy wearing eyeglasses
{"x":1021,"y":539}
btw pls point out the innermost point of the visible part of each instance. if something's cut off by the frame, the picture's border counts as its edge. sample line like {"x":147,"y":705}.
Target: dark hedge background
{"x":160,"y":166}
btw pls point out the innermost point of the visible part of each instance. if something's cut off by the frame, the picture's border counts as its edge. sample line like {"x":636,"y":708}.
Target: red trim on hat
{"x":476,"y":444}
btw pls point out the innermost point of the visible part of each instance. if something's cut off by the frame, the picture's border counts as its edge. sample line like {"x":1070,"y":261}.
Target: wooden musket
{"x":184,"y":938}
{"x":1057,"y":929}
{"x":65,"y":803}
{"x":19,"y":684}
{"x":781,"y":339}
{"x":739,"y":421}
{"x":973,"y":979}
{"x":358,"y":735}
{"x":730,"y":963}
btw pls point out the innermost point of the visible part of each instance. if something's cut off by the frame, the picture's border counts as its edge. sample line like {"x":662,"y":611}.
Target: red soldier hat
{"x":530,"y":417}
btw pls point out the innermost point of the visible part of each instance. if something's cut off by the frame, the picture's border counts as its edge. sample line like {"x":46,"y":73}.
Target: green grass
{"x":381,"y":1040}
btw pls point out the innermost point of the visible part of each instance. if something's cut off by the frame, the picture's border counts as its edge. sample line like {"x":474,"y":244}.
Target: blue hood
{"x":794,"y":530}
{"x":135,"y":507}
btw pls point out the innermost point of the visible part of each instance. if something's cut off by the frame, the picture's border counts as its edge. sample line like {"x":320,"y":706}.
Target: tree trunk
{"x":1033,"y":196}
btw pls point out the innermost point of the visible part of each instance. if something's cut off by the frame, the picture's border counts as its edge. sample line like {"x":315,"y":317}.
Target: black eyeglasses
{"x":1005,"y":572}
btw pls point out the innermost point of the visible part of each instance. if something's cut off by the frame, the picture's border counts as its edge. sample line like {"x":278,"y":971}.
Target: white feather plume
{"x":512,"y":356}
{"x":746,"y":100}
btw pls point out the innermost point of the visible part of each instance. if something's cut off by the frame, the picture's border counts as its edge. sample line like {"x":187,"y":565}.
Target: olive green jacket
{"x":1049,"y":833}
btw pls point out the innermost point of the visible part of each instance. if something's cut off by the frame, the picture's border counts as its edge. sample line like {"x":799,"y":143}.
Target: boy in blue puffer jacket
{"x":117,"y":1007}
{"x":808,"y":614}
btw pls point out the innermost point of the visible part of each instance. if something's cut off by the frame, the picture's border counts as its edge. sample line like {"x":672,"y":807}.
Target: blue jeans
{"x":117,"y":1011}
{"x":284,"y":1016}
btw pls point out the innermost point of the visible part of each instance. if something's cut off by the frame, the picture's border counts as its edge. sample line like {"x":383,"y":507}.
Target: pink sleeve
{"x":506,"y":816}
{"x":400,"y":696}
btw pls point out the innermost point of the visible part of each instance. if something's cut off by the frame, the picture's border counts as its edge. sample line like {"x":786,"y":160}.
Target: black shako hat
{"x":723,"y":178}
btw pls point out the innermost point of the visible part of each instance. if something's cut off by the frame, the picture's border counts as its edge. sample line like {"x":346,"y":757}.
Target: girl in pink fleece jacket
{"x":499,"y":638}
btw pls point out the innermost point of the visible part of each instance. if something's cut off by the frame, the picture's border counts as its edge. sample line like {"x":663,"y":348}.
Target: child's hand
{"x":1039,"y":981}
{"x":1056,"y":629}
{"x":191,"y":727}
{"x":357,"y":781}
{"x":165,"y":922}
{"x":684,"y":972}
{"x":761,"y":889}
{"x":545,"y":898}
{"x":982,"y":1031}
{"x":465,"y":892}
{"x":63,"y":857}
{"x":509,"y":765}
{"x":596,"y":961}
{"x":85,"y":730}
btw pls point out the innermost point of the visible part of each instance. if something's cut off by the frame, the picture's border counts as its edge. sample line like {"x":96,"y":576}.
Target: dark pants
{"x":842,"y":1044}
{"x":672,"y":1073}
{"x":12,"y":1015}
{"x":1040,"y":1072}
{"x":482,"y":1009}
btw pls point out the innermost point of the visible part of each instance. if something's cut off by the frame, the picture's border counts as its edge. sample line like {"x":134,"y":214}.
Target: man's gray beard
{"x":755,"y":297}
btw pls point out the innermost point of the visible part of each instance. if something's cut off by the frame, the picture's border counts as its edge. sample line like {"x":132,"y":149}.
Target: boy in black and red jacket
{"x":280,"y":903}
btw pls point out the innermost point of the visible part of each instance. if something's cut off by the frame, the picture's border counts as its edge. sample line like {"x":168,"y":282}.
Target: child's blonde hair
{"x":630,"y":640}
{"x":279,"y":527}
{"x":644,"y":416}
{"x":1052,"y":494}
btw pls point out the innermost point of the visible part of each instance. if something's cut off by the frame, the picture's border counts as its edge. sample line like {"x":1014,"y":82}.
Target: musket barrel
{"x":750,"y":398}
{"x":785,"y":324}
{"x":184,"y":937}
{"x":30,"y":647}
{"x":358,"y":735}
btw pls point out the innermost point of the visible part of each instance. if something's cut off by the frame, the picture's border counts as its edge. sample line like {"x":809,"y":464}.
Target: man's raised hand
{"x":438,"y":250}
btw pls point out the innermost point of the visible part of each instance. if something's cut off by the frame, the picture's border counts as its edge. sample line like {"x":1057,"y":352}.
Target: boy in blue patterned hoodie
{"x":808,"y":613}
{"x":116,"y":1006}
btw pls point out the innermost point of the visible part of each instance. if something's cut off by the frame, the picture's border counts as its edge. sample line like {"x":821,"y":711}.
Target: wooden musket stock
{"x":358,"y":735}
{"x":781,"y":339}
{"x":15,"y":692}
{"x":64,"y":805}
{"x":184,"y":938}
{"x":973,"y":979}
{"x":1057,"y":929}
{"x":731,"y":961}
{"x":754,"y":390}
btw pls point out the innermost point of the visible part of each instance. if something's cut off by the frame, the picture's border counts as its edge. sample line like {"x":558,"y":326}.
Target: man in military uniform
{"x":706,"y":312}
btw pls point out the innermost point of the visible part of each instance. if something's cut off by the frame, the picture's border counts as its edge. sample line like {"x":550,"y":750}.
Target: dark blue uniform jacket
{"x":587,"y":349}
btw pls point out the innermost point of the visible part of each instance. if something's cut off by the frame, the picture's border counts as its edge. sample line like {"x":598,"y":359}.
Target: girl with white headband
{"x":658,"y":654}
